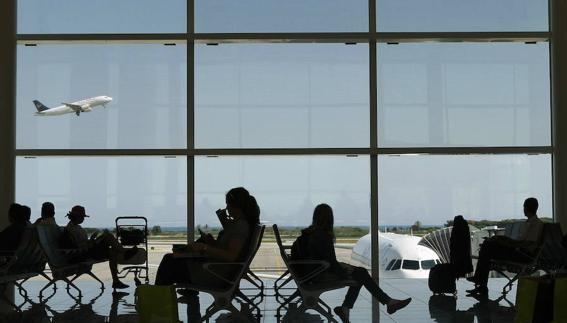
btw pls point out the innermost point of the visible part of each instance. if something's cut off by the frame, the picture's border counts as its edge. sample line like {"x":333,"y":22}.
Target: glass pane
{"x":287,"y":188}
{"x":467,"y":94}
{"x":411,"y":265}
{"x":461,"y":15}
{"x":147,"y":84}
{"x":101,"y":16}
{"x":434,"y":189}
{"x":107,"y":187}
{"x":228,"y":16}
{"x":427,"y":264}
{"x":281,"y":96}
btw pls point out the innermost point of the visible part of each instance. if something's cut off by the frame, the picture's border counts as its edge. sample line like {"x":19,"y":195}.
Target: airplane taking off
{"x":76,"y":107}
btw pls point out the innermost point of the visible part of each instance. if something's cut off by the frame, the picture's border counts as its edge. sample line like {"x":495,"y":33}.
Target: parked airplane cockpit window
{"x":391,"y":264}
{"x":427,"y":264}
{"x":397,"y":264}
{"x":411,"y":265}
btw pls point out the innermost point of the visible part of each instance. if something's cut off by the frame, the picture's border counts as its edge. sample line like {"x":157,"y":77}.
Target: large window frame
{"x":372,"y":37}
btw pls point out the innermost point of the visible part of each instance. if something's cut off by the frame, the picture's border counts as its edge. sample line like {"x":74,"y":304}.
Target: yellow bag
{"x":560,"y":300}
{"x":534,"y":299}
{"x":157,"y":304}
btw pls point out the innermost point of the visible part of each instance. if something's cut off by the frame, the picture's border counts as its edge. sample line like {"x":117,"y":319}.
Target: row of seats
{"x":38,"y":247}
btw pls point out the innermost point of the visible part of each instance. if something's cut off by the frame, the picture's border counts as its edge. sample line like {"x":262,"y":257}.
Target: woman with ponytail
{"x":238,"y":219}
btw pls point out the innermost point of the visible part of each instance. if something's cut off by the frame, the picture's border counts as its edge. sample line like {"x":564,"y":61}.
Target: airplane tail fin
{"x":39,"y":106}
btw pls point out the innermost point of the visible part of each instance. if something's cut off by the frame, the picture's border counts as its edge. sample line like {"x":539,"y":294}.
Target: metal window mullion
{"x":190,"y":121}
{"x":558,"y":54}
{"x":373,"y":99}
{"x":281,"y":151}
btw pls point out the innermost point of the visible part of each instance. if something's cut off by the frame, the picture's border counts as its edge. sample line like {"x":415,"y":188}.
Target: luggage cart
{"x":132,"y":232}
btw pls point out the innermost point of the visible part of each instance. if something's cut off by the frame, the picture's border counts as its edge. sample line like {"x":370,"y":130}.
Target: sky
{"x":286,"y":96}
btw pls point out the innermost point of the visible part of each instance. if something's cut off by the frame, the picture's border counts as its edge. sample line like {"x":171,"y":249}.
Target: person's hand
{"x":208,"y":238}
{"x":94,"y":235}
{"x":197,"y":247}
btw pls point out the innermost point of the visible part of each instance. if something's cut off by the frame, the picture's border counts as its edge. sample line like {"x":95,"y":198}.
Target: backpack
{"x":460,"y":247}
{"x":442,"y":279}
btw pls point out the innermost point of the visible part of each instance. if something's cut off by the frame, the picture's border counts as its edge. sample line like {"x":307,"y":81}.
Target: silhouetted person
{"x":26,"y":213}
{"x":47,"y":214}
{"x":504,"y":248}
{"x":242,"y":218}
{"x":103,"y":246}
{"x":11,"y":236}
{"x":320,"y":246}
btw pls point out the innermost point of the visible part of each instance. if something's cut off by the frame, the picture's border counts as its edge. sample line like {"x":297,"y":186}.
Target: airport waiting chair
{"x":256,"y":282}
{"x":60,"y":261}
{"x":225,"y":294}
{"x":25,"y":262}
{"x":549,"y":257}
{"x":309,"y":289}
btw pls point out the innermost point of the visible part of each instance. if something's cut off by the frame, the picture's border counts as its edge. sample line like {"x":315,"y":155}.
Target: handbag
{"x":534,"y":300}
{"x":559,"y":300}
{"x":157,"y":304}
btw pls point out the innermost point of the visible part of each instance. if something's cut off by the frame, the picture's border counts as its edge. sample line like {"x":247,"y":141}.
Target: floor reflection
{"x":443,"y":309}
{"x":104,"y":306}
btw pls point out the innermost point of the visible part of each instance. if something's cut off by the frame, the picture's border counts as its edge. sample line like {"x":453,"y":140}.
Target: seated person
{"x":103,"y":246}
{"x":11,"y":236}
{"x":504,"y":248}
{"x":47,"y":215}
{"x":242,"y":218}
{"x":26,"y":213}
{"x":319,"y":245}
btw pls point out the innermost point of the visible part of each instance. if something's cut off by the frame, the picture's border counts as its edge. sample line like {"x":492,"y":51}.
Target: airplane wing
{"x":77,"y":108}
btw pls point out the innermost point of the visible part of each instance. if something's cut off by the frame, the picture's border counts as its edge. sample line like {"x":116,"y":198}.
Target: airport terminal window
{"x":433,"y":189}
{"x":101,"y":16}
{"x":410,"y":264}
{"x":461,"y":15}
{"x":463,"y":94}
{"x":147,"y":84}
{"x":281,"y":96}
{"x":246,"y":16}
{"x":108,"y":187}
{"x":287,"y":187}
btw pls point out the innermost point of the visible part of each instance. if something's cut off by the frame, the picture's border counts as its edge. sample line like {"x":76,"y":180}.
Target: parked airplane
{"x":76,"y":107}
{"x":400,"y":255}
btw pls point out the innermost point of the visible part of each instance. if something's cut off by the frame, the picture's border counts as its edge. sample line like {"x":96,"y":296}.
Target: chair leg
{"x":293,"y":296}
{"x":90,"y":273}
{"x":71,"y":284}
{"x":324,"y":312}
{"x":51,"y":282}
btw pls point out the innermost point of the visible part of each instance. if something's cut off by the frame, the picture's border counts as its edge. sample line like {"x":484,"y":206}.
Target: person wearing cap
{"x":47,"y":215}
{"x":103,"y":246}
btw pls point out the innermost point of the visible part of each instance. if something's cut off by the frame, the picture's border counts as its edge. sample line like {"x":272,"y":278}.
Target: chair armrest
{"x":322,"y":266}
{"x":6,"y":262}
{"x":68,"y":252}
{"x":209,"y":266}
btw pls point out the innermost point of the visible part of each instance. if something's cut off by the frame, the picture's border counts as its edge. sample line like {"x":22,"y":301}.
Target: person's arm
{"x":230,"y":254}
{"x":223,"y":218}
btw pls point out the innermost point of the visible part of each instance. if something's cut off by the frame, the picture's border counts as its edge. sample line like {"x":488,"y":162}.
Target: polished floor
{"x":102,"y":306}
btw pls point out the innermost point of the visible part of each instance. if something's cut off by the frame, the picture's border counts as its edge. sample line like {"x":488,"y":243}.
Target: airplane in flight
{"x":76,"y":107}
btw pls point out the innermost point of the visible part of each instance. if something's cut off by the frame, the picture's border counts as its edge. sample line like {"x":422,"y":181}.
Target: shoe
{"x":342,"y":314}
{"x":478,"y":290}
{"x":187,"y":292}
{"x":396,"y":304}
{"x":119,"y":285}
